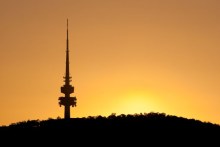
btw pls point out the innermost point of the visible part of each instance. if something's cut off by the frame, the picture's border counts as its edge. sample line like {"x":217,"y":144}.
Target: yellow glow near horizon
{"x":135,"y":103}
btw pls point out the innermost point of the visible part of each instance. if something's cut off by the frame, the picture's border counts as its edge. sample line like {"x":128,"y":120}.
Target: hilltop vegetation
{"x":137,"y":127}
{"x":113,"y":121}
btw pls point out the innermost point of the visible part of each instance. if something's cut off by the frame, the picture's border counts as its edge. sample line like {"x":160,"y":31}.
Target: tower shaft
{"x":67,"y":112}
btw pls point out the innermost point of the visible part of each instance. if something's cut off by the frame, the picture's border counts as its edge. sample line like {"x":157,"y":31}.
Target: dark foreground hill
{"x":156,"y":128}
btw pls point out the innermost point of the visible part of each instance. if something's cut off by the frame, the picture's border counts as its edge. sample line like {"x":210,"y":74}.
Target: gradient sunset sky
{"x":126,"y":57}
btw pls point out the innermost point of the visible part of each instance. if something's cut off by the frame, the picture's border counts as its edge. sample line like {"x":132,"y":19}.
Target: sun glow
{"x":136,"y":103}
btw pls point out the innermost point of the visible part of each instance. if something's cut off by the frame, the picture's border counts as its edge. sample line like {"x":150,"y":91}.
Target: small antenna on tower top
{"x":67,"y":37}
{"x":67,"y":23}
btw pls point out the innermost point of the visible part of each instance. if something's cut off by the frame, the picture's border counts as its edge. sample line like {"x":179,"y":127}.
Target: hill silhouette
{"x":125,"y":129}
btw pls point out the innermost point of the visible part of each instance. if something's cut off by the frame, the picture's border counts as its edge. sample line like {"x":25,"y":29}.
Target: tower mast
{"x":67,"y":89}
{"x":67,"y":77}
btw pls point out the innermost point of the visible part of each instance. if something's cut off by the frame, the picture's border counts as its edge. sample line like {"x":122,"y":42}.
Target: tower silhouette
{"x":67,"y":89}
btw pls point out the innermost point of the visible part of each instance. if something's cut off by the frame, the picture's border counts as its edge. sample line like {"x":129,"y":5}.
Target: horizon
{"x":118,"y":116}
{"x":126,"y":57}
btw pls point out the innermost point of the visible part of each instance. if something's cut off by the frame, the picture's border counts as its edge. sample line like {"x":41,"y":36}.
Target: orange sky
{"x":126,"y":56}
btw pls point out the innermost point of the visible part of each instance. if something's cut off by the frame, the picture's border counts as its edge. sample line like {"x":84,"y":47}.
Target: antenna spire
{"x":67,"y":77}
{"x":67,"y":36}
